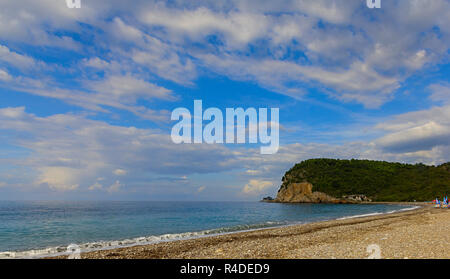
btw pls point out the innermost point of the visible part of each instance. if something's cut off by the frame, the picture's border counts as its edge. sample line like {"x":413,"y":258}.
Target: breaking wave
{"x":106,"y":245}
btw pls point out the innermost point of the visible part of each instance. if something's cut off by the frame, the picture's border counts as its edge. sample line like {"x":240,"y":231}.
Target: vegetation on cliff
{"x":378,"y":180}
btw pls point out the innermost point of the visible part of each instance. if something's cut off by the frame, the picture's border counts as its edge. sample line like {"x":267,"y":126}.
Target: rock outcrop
{"x":268,"y":199}
{"x":303,"y":193}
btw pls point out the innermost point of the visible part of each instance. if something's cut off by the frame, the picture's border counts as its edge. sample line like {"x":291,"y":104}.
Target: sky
{"x":86,"y":94}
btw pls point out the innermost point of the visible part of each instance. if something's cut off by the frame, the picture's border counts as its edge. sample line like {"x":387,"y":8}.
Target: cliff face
{"x":303,"y":193}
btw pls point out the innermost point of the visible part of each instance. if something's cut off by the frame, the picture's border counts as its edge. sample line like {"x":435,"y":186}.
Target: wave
{"x":378,"y":213}
{"x":107,"y":245}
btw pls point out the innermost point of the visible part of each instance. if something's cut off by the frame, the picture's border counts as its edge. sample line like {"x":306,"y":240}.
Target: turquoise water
{"x":35,"y":225}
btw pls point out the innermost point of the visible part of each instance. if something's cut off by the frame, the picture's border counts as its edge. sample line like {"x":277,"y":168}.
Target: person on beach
{"x":437,"y":203}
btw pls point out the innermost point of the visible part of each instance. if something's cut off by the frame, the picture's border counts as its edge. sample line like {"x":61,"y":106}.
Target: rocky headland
{"x":361,"y":181}
{"x":303,"y":193}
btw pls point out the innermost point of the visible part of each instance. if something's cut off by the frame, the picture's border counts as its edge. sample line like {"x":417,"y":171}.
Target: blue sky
{"x":86,"y":94}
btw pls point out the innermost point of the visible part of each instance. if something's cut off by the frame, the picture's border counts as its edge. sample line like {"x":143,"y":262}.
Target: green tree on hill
{"x":379,"y":180}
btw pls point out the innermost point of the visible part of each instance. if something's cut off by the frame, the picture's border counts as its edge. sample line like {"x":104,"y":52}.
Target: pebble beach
{"x":419,"y":233}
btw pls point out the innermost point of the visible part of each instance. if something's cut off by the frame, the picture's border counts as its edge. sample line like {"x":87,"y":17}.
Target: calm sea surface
{"x":48,"y":227}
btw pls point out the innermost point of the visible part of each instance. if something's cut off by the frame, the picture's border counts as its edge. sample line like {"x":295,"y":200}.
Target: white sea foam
{"x":361,"y":215}
{"x":378,"y":213}
{"x":107,"y":245}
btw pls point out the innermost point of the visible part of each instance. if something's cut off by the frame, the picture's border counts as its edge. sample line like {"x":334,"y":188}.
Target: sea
{"x":34,"y":229}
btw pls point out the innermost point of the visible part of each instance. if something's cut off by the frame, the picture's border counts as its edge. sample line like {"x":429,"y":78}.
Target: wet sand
{"x":420,"y":233}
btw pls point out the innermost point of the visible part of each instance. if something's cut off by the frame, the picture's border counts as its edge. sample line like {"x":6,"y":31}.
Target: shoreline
{"x":87,"y":247}
{"x":311,"y":239}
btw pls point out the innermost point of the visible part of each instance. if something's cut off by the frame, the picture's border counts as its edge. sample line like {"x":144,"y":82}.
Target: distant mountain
{"x":363,"y":180}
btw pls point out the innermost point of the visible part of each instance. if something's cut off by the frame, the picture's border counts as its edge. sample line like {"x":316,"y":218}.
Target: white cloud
{"x":253,"y":172}
{"x":165,"y":64}
{"x":128,"y":89}
{"x":155,"y":55}
{"x":416,"y":131}
{"x":121,"y":92}
{"x":115,"y":187}
{"x":17,"y":60}
{"x":95,"y":186}
{"x":440,"y":92}
{"x":255,"y":186}
{"x":358,"y":83}
{"x":27,"y":21}
{"x":120,"y":172}
{"x":350,"y":52}
{"x":418,"y":138}
{"x":59,"y":178}
{"x":70,"y":151}
{"x":438,"y":114}
{"x":365,"y":64}
{"x":5,"y":76}
{"x":201,"y":189}
{"x":335,"y":11}
{"x":237,"y":27}
{"x":95,"y":62}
